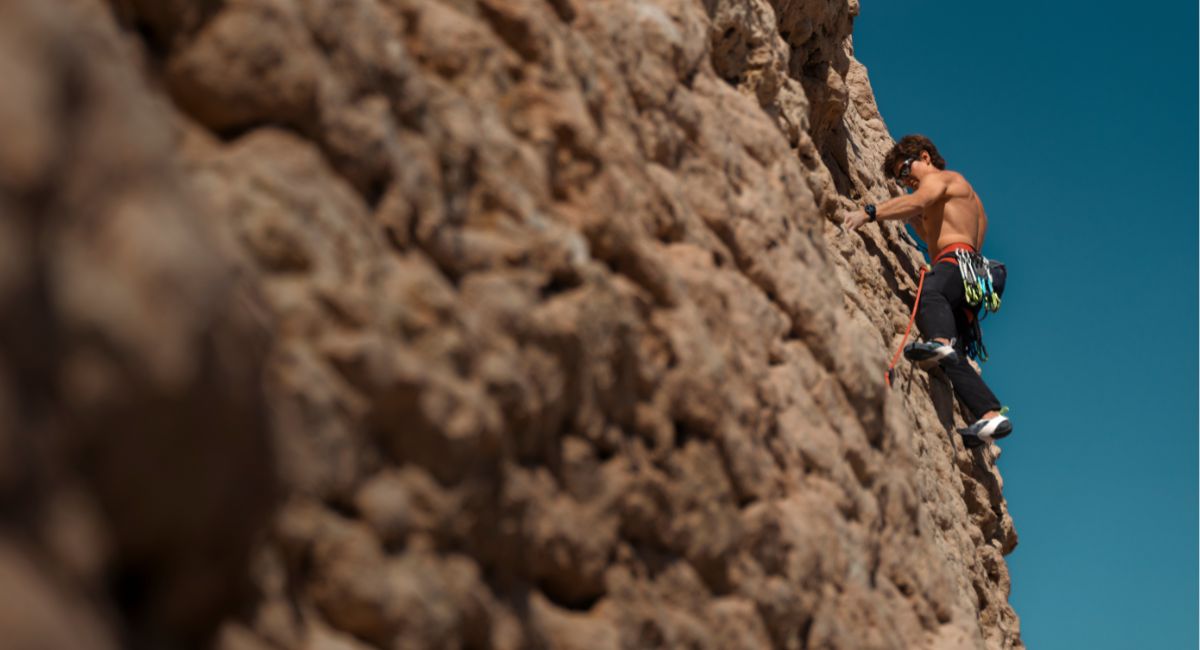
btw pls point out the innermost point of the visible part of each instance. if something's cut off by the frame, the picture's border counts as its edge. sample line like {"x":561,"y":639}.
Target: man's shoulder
{"x":953,"y":180}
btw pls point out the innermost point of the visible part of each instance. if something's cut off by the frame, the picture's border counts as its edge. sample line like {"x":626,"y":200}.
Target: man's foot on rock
{"x":927,"y":354}
{"x":985,"y":431}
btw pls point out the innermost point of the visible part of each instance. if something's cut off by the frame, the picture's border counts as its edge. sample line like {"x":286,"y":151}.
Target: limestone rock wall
{"x":467,"y":324}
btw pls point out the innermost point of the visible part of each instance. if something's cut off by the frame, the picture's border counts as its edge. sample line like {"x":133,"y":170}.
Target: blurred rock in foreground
{"x":345,"y":324}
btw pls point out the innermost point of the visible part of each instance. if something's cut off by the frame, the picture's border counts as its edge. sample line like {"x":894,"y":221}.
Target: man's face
{"x":904,"y":174}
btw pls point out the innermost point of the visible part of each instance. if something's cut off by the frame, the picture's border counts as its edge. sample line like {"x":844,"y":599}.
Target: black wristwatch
{"x":870,"y":210}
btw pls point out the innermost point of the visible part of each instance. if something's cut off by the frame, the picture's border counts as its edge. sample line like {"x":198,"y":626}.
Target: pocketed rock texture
{"x":346,"y":324}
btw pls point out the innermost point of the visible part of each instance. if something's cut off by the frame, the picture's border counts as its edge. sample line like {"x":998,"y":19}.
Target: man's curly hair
{"x":911,"y":146}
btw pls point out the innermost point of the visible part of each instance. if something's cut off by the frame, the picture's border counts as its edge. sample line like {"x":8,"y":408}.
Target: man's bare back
{"x":957,"y":217}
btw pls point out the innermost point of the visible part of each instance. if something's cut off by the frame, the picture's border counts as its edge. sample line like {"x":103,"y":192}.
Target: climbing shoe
{"x":985,"y":432}
{"x":928,"y":354}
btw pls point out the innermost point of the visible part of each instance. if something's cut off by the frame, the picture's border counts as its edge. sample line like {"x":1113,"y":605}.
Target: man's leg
{"x":989,"y":424}
{"x":970,"y":388}
{"x":941,"y":318}
{"x":935,"y":315}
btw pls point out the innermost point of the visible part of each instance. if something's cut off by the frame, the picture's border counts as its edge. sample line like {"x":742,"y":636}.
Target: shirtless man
{"x":946,"y":212}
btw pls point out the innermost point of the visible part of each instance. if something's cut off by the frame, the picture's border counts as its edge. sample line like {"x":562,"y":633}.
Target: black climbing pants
{"x":943,"y":314}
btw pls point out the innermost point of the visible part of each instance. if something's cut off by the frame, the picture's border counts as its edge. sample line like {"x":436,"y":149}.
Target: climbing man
{"x":945,"y":211}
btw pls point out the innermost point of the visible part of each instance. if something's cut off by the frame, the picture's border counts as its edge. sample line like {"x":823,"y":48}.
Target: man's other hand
{"x":853,"y":220}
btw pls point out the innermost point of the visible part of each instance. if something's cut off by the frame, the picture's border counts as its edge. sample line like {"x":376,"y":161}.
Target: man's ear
{"x":926,"y":158}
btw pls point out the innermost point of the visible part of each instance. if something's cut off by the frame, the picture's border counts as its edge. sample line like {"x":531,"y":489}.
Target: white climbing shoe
{"x":985,"y":432}
{"x":927,"y":354}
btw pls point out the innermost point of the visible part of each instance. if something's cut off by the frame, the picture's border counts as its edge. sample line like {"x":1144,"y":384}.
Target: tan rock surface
{"x":535,"y":313}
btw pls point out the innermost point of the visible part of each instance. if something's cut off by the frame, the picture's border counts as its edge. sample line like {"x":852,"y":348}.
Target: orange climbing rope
{"x":891,"y":371}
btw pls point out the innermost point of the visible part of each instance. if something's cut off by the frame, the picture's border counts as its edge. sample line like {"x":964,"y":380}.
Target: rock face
{"x":467,"y":324}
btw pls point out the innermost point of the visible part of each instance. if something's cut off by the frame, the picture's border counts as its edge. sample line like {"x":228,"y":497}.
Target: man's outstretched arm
{"x":905,"y":206}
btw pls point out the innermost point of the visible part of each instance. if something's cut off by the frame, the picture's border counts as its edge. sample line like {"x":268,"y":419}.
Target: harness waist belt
{"x":947,"y":253}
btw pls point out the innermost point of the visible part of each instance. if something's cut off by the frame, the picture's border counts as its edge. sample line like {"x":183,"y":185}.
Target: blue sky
{"x":1077,"y":124}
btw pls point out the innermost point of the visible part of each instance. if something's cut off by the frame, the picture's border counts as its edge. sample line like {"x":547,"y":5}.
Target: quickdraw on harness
{"x":976,"y":271}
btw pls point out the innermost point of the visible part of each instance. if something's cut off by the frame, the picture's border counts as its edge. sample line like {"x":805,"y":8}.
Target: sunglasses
{"x":905,"y":169}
